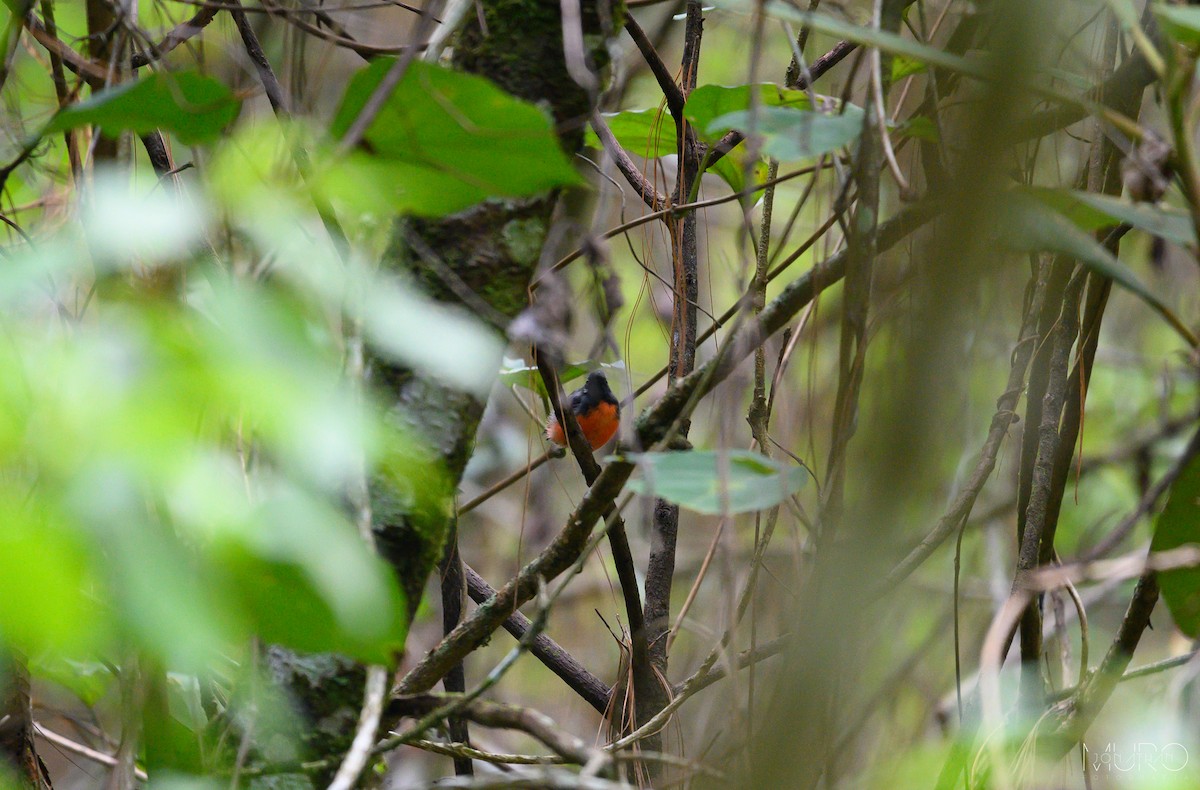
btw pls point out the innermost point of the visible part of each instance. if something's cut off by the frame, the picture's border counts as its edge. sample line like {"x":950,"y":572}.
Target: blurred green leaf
{"x":919,"y":127}
{"x":397,"y":319}
{"x":47,"y":575}
{"x":1180,"y":23}
{"x":1032,"y":227}
{"x":790,"y":134}
{"x":124,"y":225}
{"x":868,"y":36}
{"x":737,"y":481}
{"x":194,"y":108}
{"x":449,"y":140}
{"x":1177,"y":525}
{"x":1093,"y":211}
{"x":904,"y":66}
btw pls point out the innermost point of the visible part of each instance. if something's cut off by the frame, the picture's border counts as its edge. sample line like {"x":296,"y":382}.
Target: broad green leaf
{"x":191,"y":106}
{"x":448,"y":140}
{"x":1179,"y":525}
{"x":648,"y":133}
{"x":1091,"y":212}
{"x":709,"y":102}
{"x":731,"y":169}
{"x":737,"y":481}
{"x":790,"y":134}
{"x":1180,"y":23}
{"x":1032,"y":227}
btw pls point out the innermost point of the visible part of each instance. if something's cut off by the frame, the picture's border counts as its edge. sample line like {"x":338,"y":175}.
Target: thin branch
{"x":87,"y":752}
{"x":815,"y":71}
{"x":666,"y":82}
{"x":646,"y":190}
{"x":589,"y":687}
{"x":266,"y":74}
{"x":178,"y":35}
{"x":617,"y":539}
{"x":364,"y":738}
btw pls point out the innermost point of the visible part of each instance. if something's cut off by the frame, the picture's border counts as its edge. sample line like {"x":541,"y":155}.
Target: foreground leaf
{"x":191,"y":106}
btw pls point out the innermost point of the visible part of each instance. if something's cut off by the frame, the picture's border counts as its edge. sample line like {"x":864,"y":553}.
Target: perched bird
{"x":596,"y":410}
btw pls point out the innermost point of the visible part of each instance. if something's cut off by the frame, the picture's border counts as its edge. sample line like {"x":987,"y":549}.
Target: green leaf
{"x":789,"y":134}
{"x":903,"y":66}
{"x":1091,"y":212}
{"x":1032,"y":227}
{"x":919,"y":128}
{"x":1179,"y":525}
{"x":731,"y":169}
{"x":191,"y":106}
{"x":649,"y":133}
{"x":737,"y":481}
{"x":709,"y":102}
{"x":1180,"y":23}
{"x":447,"y":140}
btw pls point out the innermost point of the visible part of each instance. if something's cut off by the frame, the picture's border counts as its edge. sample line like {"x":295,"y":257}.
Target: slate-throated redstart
{"x":596,"y":410}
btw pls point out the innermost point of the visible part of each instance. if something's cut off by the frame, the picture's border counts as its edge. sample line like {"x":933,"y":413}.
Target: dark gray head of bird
{"x":597,"y":387}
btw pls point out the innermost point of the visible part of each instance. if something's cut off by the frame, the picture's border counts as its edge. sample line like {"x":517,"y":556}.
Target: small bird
{"x":596,"y":410}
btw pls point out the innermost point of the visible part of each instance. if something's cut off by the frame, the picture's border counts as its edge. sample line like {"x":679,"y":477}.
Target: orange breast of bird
{"x":599,"y":424}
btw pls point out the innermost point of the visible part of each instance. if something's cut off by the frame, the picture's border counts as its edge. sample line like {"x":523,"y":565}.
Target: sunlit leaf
{"x":450,"y":139}
{"x":736,"y":481}
{"x":1179,"y":525}
{"x":193,"y":107}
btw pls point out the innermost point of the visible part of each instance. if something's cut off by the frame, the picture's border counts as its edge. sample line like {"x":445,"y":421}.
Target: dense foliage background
{"x":900,"y":300}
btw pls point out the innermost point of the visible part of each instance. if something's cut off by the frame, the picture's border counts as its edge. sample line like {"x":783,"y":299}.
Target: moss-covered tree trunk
{"x":492,"y":249}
